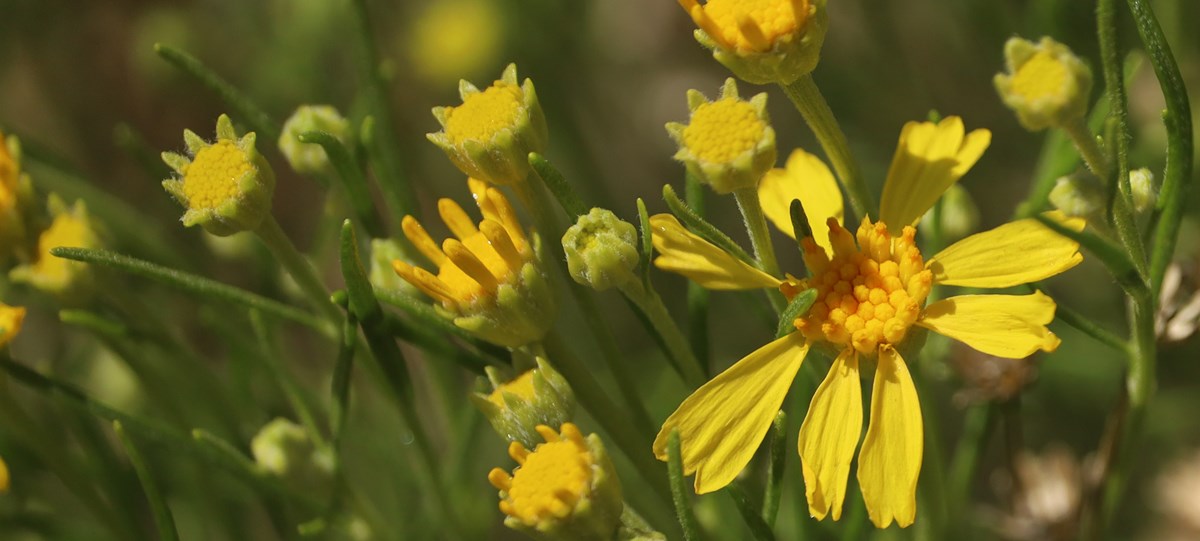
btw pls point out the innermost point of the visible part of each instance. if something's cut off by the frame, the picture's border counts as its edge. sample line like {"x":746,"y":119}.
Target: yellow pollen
{"x":1042,"y":76}
{"x":212,"y":177}
{"x":478,"y":260}
{"x":722,"y":130}
{"x":867,"y":295}
{"x":522,"y":387}
{"x":550,"y":480}
{"x":749,"y":25}
{"x":484,"y":114}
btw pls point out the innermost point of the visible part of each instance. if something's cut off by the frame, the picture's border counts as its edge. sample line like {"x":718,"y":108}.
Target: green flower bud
{"x":309,"y":158}
{"x":1141,"y":183}
{"x":71,"y":281}
{"x":1079,"y":195}
{"x":601,"y":250}
{"x":729,"y":143}
{"x":1046,"y":84}
{"x":565,"y":489}
{"x":516,"y":406}
{"x":226,"y":186}
{"x":489,"y":280}
{"x":766,"y":42}
{"x":284,"y":449}
{"x":489,"y":137}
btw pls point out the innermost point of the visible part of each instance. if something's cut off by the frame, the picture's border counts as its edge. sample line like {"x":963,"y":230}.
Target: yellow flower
{"x":762,"y":41}
{"x":490,"y":136}
{"x":70,"y":227}
{"x":11,"y":318}
{"x":871,"y":292}
{"x":728,"y":143}
{"x":226,"y":186}
{"x":452,"y":38}
{"x":1046,"y":84}
{"x":488,"y":277}
{"x":565,"y":489}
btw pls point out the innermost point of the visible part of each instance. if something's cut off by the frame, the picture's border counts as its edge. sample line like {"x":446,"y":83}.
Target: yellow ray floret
{"x":683,"y":252}
{"x":929,"y":158}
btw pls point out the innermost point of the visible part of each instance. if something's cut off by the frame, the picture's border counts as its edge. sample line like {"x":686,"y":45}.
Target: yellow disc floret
{"x":1043,"y":76}
{"x":749,"y":25}
{"x":722,"y":130}
{"x":522,"y":387}
{"x":550,"y":479}
{"x":483,"y":114}
{"x":868,"y":294}
{"x":212,"y":177}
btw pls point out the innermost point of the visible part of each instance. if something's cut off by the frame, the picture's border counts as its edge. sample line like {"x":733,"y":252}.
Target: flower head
{"x":871,"y":290}
{"x":488,"y":276}
{"x":601,"y":250}
{"x":226,"y":186}
{"x":70,"y":227}
{"x":307,"y":157}
{"x":728,"y":143}
{"x":11,"y":318}
{"x":517,"y":406}
{"x":762,"y":41}
{"x":1046,"y":84}
{"x":490,"y":136}
{"x":564,"y":489}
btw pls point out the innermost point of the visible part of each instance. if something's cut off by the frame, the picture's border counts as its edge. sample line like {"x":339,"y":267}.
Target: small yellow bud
{"x":71,"y":281}
{"x":490,"y":136}
{"x":517,"y":406}
{"x":11,"y":318}
{"x":1141,"y":183}
{"x":310,"y":158}
{"x":226,"y":186}
{"x":1080,"y":195}
{"x":602,"y":250}
{"x":762,"y":41}
{"x":1046,"y":84}
{"x":728,"y":143}
{"x":565,"y":489}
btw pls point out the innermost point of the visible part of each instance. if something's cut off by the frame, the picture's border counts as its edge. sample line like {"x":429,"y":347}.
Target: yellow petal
{"x":1015,"y":253}
{"x":682,"y":252}
{"x":722,"y":423}
{"x":10,"y":322}
{"x":929,"y":159}
{"x":829,"y":435}
{"x":890,"y":461}
{"x":808,"y":179}
{"x":1010,"y":326}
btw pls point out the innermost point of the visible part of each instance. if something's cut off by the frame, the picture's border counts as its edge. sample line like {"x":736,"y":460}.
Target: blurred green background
{"x":82,"y":87}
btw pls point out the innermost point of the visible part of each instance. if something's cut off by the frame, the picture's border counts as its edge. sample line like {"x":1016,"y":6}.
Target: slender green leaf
{"x":1111,"y":255}
{"x":778,"y":458}
{"x":352,"y":178}
{"x":701,"y":227}
{"x":558,"y":185}
{"x":243,"y":107}
{"x":270,"y":356}
{"x":750,"y":514}
{"x":697,"y":295}
{"x":647,"y":243}
{"x":798,"y":307}
{"x":339,"y":388}
{"x":158,"y":505}
{"x":683,"y":508}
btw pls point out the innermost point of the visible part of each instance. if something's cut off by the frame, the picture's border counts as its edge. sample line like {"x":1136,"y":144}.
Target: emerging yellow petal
{"x":808,"y":179}
{"x":721,"y":424}
{"x":1015,"y":253}
{"x":1010,"y":326}
{"x":830,"y":434}
{"x":929,"y":158}
{"x":890,"y":461}
{"x":682,"y":252}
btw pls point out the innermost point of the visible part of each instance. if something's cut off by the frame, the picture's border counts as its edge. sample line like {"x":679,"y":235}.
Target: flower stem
{"x":760,"y":237}
{"x":1088,"y":148}
{"x":697,"y":296}
{"x":298,"y":267}
{"x":812,"y":106}
{"x":651,"y":304}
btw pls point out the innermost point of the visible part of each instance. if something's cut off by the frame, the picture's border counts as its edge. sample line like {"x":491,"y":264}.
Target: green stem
{"x":756,"y":227}
{"x":977,"y":430}
{"x":683,"y":508}
{"x":697,"y":295}
{"x":1086,"y":143}
{"x":651,"y":304}
{"x":775,"y":467}
{"x":298,"y":267}
{"x":812,"y":106}
{"x":163,"y":520}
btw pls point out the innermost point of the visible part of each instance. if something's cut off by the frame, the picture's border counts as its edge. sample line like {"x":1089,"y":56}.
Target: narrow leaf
{"x":163,"y":520}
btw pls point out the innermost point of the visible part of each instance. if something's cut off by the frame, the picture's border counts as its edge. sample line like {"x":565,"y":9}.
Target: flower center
{"x":722,"y":130}
{"x":1041,"y":76}
{"x":484,"y":114}
{"x":522,"y":387}
{"x":212,"y":177}
{"x":550,"y":480}
{"x":754,"y":25}
{"x":867,"y":295}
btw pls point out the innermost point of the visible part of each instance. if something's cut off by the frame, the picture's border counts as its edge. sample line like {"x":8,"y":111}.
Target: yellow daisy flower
{"x":871,"y":287}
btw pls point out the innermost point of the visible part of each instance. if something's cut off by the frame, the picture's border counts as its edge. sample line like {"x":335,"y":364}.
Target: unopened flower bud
{"x":285,"y":450}
{"x":226,"y":186}
{"x":729,"y":143}
{"x":1079,"y":195}
{"x":517,"y":406}
{"x":490,"y":136}
{"x":765,"y":41}
{"x":310,"y":158}
{"x":1141,"y":183}
{"x":1046,"y":84}
{"x":601,"y":250}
